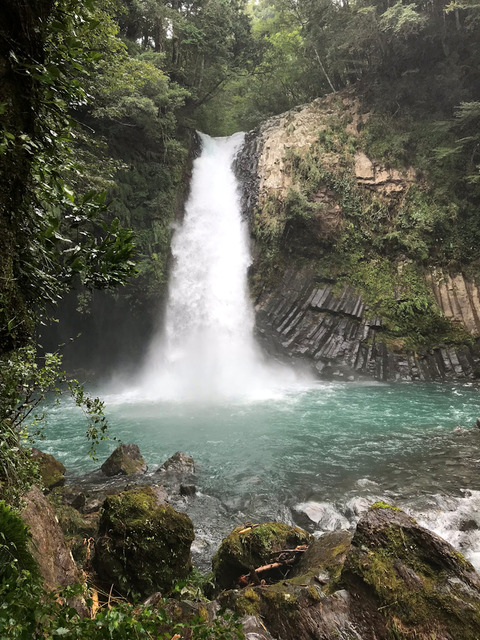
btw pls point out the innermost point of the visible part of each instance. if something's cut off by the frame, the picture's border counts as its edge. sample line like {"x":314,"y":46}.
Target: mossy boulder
{"x":249,"y":547}
{"x":408,"y":581}
{"x":143,"y":546}
{"x":125,"y":460}
{"x":52,"y":471}
{"x":399,"y":581}
{"x":322,"y":562}
{"x":299,"y":607}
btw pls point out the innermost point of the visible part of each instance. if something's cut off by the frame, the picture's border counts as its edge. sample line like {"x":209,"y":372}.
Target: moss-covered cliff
{"x":359,"y":265}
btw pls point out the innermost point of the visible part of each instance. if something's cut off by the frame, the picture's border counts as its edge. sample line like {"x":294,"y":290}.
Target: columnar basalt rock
{"x":307,"y":311}
{"x":307,"y":316}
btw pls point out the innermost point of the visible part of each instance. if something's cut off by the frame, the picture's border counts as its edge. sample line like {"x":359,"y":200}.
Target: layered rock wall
{"x":307,"y":316}
{"x":306,"y":312}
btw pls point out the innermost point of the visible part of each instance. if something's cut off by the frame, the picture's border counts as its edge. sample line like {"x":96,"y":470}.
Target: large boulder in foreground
{"x":125,"y":460}
{"x":249,"y":547}
{"x":52,"y":471}
{"x":143,"y":546}
{"x":408,"y":582}
{"x":398,"y":581}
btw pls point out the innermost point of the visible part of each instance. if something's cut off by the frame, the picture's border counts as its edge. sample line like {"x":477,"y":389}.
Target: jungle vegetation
{"x":99,"y":102}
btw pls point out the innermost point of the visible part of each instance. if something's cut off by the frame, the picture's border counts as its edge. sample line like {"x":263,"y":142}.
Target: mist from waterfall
{"x":206,"y":348}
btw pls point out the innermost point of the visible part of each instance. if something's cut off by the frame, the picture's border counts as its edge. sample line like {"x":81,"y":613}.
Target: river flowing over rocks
{"x":388,"y":578}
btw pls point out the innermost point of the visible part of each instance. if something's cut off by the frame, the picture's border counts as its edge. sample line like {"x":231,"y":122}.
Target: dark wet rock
{"x":52,"y":471}
{"x":125,"y":460}
{"x":324,"y":558}
{"x":249,"y":547}
{"x":306,"y":315}
{"x":295,"y":611}
{"x":188,"y":489}
{"x":49,"y":547}
{"x":253,"y":629}
{"x":180,"y":463}
{"x":407,"y":581}
{"x":144,"y":545}
{"x":477,"y":423}
{"x":468,"y":525}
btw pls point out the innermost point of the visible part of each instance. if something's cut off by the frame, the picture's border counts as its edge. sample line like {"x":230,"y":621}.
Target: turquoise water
{"x":309,"y":445}
{"x":333,"y":449}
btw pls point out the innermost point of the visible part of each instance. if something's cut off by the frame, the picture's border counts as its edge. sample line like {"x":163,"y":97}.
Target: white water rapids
{"x":206,"y":350}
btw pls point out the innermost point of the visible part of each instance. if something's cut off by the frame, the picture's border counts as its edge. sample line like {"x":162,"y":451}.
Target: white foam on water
{"x":456,"y":520}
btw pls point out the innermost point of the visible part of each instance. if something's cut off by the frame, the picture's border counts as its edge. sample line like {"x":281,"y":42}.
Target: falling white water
{"x":206,"y":350}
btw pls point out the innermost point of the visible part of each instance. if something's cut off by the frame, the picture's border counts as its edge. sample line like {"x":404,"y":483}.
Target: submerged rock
{"x":144,"y":545}
{"x":251,"y":546}
{"x":188,"y":489}
{"x":52,"y":471}
{"x":180,"y":463}
{"x":125,"y":460}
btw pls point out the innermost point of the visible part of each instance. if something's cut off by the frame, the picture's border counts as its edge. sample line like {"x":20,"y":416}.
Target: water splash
{"x":206,"y":350}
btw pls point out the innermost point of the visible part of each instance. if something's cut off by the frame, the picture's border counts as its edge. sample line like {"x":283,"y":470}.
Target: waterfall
{"x":206,"y":349}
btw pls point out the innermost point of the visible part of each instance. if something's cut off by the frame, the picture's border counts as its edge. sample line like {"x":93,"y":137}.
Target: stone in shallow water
{"x":125,"y":460}
{"x":179,"y":463}
{"x":188,"y":489}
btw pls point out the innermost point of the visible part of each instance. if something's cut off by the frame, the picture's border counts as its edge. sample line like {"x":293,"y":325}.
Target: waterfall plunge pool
{"x":330,"y":451}
{"x":267,"y":445}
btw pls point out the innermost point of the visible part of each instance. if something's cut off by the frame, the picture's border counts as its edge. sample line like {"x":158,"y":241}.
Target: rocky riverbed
{"x":390,"y":578}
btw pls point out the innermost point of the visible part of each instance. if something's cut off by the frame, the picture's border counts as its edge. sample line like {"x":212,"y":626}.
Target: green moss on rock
{"x":143,"y":547}
{"x":384,"y":505}
{"x":419,"y":586}
{"x":52,"y":471}
{"x":248,"y":548}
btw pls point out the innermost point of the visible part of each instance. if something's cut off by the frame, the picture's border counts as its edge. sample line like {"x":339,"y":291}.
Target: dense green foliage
{"x":26,"y":611}
{"x":98,"y":103}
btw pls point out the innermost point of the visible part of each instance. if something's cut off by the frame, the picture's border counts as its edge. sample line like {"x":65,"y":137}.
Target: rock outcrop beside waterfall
{"x":308,"y":189}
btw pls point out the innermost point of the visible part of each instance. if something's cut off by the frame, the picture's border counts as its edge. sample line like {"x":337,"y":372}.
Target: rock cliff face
{"x":307,"y":316}
{"x":306,"y":201}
